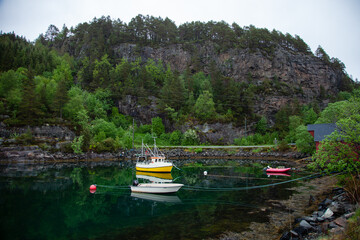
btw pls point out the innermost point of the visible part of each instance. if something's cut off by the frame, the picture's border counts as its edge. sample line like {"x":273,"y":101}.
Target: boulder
{"x":328,"y":213}
{"x":305,"y":225}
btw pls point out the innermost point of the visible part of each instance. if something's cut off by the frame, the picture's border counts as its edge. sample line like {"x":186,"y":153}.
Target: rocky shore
{"x":35,"y":153}
{"x":329,"y":218}
{"x":318,"y":209}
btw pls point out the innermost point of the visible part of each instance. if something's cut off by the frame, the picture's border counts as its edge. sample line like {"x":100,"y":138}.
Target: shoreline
{"x":35,"y":154}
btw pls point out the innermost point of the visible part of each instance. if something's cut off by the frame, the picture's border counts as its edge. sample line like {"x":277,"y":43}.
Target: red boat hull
{"x":277,"y":170}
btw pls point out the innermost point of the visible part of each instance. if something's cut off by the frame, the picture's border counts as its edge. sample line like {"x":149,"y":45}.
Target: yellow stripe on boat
{"x":155,"y":169}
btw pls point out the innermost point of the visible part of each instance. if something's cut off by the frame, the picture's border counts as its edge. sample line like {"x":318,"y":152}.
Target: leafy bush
{"x":165,"y":137}
{"x":198,"y":150}
{"x":101,"y":125}
{"x":146,"y":128}
{"x":120,"y":120}
{"x":190,"y":138}
{"x":76,"y":145}
{"x":256,"y":139}
{"x":25,"y":138}
{"x":107,"y":145}
{"x":283,"y":146}
{"x":148,"y":139}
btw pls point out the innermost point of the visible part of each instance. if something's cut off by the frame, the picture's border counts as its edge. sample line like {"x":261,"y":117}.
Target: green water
{"x":54,"y":202}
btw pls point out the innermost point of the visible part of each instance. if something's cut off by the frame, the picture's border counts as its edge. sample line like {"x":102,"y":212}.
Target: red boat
{"x":277,"y":170}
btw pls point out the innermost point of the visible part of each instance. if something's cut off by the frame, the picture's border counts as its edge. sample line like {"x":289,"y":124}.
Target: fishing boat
{"x":154,"y":183}
{"x":152,"y":160}
{"x":277,"y":170}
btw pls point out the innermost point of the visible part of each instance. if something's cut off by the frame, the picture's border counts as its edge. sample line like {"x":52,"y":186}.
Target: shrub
{"x":190,"y":138}
{"x":353,"y":229}
{"x":146,"y":128}
{"x":283,"y":146}
{"x":107,"y":145}
{"x":198,"y":150}
{"x":76,"y":145}
{"x":101,"y":125}
{"x":175,"y":137}
{"x":26,"y":138}
{"x":148,"y":139}
{"x":165,"y":137}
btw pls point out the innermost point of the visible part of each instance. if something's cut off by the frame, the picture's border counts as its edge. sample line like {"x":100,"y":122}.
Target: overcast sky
{"x":333,"y":24}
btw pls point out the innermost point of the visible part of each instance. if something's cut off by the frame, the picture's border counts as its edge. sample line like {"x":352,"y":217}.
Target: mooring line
{"x":245,"y":188}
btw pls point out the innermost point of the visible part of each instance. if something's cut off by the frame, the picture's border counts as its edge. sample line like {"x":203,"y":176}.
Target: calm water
{"x":54,"y":202}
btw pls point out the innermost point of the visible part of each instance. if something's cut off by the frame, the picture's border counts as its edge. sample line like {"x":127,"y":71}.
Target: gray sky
{"x":333,"y":24}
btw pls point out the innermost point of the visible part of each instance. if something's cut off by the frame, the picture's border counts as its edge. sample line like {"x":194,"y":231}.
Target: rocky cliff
{"x":280,"y":78}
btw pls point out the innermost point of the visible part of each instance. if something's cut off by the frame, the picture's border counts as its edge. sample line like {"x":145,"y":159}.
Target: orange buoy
{"x":92,"y":188}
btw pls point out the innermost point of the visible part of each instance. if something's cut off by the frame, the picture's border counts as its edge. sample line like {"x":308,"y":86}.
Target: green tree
{"x":261,"y":126}
{"x":204,"y":107}
{"x":11,"y":88}
{"x":335,"y":111}
{"x":309,"y":116}
{"x":60,"y":98}
{"x":30,"y":112}
{"x":175,"y":137}
{"x":101,"y":73}
{"x":75,"y":104}
{"x":341,"y":150}
{"x":294,"y":123}
{"x":85,"y":73}
{"x":158,"y":127}
{"x":201,"y":83}
{"x":173,"y":92}
{"x":320,"y":53}
{"x":304,"y":141}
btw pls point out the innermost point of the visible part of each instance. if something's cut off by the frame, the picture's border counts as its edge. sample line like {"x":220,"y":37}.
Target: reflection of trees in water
{"x":66,"y":209}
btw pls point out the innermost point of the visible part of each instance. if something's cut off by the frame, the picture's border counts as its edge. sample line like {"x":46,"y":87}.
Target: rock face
{"x":58,"y":132}
{"x":284,"y":76}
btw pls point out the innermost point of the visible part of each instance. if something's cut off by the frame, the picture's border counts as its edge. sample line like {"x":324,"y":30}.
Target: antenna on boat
{"x":155,"y":148}
{"x":142,"y":147}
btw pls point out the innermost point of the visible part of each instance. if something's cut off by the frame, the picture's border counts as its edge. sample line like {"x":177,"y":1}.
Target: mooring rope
{"x":213,"y":189}
{"x":113,"y":187}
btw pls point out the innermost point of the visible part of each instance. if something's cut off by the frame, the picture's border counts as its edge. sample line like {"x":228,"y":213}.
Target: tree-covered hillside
{"x":78,"y":76}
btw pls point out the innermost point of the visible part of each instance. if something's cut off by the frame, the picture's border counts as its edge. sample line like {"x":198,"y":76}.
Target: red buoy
{"x":92,"y":188}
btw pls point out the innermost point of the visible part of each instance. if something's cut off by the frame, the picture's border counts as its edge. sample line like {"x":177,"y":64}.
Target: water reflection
{"x":46,"y":202}
{"x":157,"y":197}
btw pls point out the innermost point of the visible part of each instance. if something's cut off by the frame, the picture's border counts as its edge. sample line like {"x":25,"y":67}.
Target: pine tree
{"x":30,"y":112}
{"x":61,"y":97}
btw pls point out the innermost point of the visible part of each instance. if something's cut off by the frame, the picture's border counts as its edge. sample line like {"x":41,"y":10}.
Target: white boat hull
{"x":156,"y":187}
